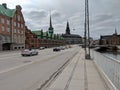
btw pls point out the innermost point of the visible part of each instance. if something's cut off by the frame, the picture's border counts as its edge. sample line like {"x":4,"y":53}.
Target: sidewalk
{"x":80,"y":74}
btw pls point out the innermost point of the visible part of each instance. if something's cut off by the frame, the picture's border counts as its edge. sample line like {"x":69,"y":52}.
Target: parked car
{"x":29,"y":52}
{"x":62,"y":47}
{"x":56,"y":49}
{"x":41,"y":48}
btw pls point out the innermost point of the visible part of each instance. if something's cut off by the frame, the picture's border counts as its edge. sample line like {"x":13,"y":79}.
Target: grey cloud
{"x":100,"y":18}
{"x":28,"y":24}
{"x":36,"y":15}
{"x":56,"y":14}
{"x":105,"y":21}
{"x":36,"y":18}
{"x":57,"y":17}
{"x":74,"y":11}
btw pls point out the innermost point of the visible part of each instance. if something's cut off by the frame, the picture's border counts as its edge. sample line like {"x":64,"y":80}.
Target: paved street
{"x":64,"y":70}
{"x":29,"y":73}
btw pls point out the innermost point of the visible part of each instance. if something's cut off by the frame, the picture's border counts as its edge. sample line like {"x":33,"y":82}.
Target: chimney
{"x":5,"y":5}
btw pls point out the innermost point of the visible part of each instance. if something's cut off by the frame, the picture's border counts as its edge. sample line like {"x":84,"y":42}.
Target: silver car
{"x":29,"y":52}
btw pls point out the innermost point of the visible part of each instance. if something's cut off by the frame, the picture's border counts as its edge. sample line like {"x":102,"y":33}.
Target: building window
{"x":18,"y":31}
{"x":18,"y":24}
{"x":3,"y":20}
{"x":8,"y":22}
{"x":14,"y":30}
{"x":22,"y":40}
{"x":21,"y":32}
{"x":14,"y":23}
{"x":18,"y":17}
{"x":8,"y":29}
{"x":8,"y":38}
{"x":19,"y":38}
{"x":3,"y":28}
{"x":15,"y":38}
{"x":3,"y":38}
{"x":21,"y":25}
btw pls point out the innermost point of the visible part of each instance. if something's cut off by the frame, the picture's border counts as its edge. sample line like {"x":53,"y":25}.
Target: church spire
{"x":67,"y":28}
{"x":115,"y":31}
{"x":51,"y":28}
{"x":50,"y":22}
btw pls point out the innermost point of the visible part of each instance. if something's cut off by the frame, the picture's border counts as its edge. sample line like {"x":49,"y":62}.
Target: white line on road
{"x":16,"y":67}
{"x":28,"y":63}
{"x":13,"y":68}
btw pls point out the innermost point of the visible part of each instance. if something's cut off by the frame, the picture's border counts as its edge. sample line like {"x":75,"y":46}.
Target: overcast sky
{"x":104,"y":15}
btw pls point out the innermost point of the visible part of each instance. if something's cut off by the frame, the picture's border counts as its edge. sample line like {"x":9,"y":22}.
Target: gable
{"x":18,"y":14}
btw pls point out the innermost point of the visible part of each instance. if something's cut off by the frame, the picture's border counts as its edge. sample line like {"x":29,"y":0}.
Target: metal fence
{"x":110,"y":66}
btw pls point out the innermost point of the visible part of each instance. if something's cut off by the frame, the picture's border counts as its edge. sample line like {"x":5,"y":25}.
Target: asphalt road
{"x":29,"y":73}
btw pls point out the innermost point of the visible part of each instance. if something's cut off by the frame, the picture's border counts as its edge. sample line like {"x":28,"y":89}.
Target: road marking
{"x":32,"y":62}
{"x":10,"y":69}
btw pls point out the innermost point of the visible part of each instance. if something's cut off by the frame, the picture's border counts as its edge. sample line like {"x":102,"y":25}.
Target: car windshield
{"x":26,"y":50}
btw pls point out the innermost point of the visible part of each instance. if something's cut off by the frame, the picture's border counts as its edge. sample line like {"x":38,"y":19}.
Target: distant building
{"x":12,"y":28}
{"x":39,"y":38}
{"x":110,"y":39}
{"x":46,"y":40}
{"x":71,"y":38}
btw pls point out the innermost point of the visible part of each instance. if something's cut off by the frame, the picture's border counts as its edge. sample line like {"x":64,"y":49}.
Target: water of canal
{"x":114,"y":55}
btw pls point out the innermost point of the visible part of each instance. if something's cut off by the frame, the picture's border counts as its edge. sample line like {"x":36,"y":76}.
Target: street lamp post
{"x":87,"y":32}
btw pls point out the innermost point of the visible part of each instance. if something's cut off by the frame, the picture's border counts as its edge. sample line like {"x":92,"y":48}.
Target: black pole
{"x":85,"y":36}
{"x":85,"y":39}
{"x":87,"y":32}
{"x":88,"y":28}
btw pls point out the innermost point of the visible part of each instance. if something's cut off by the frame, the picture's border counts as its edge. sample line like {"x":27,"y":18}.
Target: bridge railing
{"x":110,"y":66}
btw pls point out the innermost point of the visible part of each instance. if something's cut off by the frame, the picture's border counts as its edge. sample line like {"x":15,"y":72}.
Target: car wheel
{"x":23,"y":55}
{"x":37,"y":53}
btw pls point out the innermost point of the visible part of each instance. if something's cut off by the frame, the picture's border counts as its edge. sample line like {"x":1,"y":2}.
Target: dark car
{"x":29,"y":52}
{"x":56,"y":49}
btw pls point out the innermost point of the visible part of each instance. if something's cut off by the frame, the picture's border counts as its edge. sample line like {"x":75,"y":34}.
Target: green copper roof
{"x":47,"y":35}
{"x":44,"y":34}
{"x":53,"y":36}
{"x":6,"y":11}
{"x":37,"y":32}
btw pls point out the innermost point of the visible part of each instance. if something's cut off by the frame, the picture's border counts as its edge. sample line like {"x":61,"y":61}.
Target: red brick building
{"x":12,"y":28}
{"x":37,"y":39}
{"x":31,"y":40}
{"x":110,"y":39}
{"x":49,"y":40}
